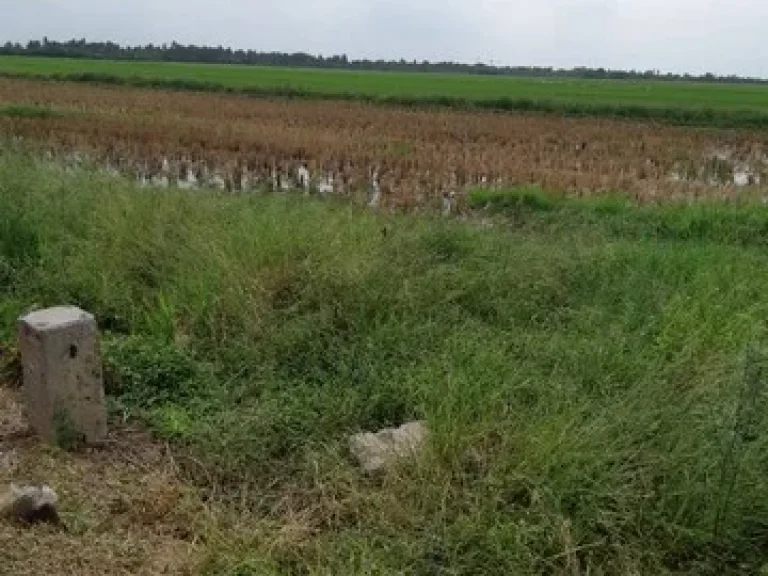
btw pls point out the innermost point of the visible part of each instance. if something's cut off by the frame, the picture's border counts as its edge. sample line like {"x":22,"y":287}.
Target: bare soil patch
{"x":125,"y":509}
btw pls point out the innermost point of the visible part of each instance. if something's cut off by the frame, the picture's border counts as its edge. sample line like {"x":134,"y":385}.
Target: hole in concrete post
{"x":73,"y":351}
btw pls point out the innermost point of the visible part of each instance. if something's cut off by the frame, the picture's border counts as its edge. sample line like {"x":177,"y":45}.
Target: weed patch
{"x":582,"y":372}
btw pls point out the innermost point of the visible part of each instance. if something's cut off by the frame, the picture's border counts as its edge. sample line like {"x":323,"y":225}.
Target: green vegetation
{"x":694,"y":103}
{"x":67,"y":436}
{"x":533,"y":210}
{"x":22,"y":111}
{"x":595,"y":385}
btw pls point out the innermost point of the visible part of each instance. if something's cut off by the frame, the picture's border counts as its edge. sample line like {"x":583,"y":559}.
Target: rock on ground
{"x":380,"y":450}
{"x":29,"y":504}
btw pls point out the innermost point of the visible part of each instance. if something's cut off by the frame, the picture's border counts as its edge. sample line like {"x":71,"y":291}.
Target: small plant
{"x":28,"y":111}
{"x":19,"y":245}
{"x":67,"y":436}
{"x":401,"y":149}
{"x":446,"y":245}
{"x":10,"y":366}
{"x":513,"y":201}
{"x":144,"y":371}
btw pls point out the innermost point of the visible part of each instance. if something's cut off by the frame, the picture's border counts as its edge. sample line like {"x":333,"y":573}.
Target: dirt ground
{"x":124,"y":508}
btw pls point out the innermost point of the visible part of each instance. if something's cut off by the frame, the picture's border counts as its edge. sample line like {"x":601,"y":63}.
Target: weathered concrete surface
{"x":63,"y":382}
{"x":378,"y":451}
{"x":9,"y":461}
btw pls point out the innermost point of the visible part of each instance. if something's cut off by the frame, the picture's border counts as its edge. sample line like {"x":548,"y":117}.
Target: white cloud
{"x":722,"y":36}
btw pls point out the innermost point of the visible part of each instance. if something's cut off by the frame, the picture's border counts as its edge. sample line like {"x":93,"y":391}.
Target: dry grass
{"x":125,"y":509}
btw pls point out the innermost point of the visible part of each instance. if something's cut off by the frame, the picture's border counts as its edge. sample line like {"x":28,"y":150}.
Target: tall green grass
{"x":596,"y":397}
{"x":741,"y":222}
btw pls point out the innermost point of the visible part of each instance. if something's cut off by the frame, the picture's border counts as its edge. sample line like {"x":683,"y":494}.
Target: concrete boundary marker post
{"x":63,"y":381}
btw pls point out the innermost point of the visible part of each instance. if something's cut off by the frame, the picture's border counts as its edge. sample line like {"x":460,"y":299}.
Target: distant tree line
{"x":175,"y":52}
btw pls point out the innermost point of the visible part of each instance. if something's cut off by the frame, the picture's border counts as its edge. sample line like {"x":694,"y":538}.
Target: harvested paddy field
{"x":394,"y":157}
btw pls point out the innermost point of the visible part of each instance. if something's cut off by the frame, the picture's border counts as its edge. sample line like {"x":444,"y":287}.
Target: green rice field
{"x":679,"y":102}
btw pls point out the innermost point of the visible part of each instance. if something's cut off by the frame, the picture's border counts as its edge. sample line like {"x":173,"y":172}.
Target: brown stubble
{"x":420,"y":154}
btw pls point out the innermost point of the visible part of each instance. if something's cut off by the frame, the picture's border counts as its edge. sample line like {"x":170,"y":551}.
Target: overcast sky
{"x":697,"y":36}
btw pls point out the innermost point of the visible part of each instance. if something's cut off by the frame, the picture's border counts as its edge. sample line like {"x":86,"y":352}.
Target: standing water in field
{"x":724,"y":167}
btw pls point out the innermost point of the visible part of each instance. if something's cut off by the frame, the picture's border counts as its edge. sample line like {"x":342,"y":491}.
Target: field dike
{"x":591,"y":372}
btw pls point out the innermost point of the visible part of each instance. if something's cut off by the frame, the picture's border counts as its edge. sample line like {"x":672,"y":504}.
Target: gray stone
{"x":63,"y":382}
{"x":29,"y":504}
{"x":375,"y":452}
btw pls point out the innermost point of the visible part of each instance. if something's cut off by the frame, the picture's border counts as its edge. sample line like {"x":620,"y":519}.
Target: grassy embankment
{"x":699,"y":104}
{"x":586,"y":371}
